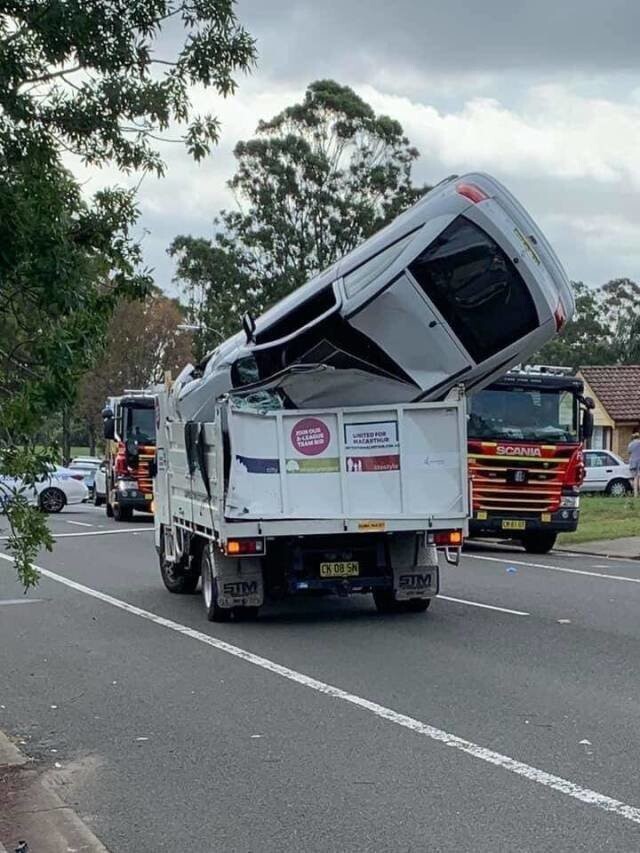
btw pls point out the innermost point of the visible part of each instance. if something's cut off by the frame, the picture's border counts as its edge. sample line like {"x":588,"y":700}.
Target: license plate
{"x":510,"y":524}
{"x":148,"y":497}
{"x":339,"y":570}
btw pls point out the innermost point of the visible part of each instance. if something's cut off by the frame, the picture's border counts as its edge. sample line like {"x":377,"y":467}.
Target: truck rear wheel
{"x":539,"y":543}
{"x":385,"y":602}
{"x":178,"y":577}
{"x":214,"y":612}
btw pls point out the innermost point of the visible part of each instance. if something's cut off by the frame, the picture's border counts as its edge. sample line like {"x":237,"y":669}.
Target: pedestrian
{"x":634,"y":462}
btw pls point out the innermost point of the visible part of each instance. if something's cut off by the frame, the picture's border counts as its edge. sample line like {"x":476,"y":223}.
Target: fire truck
{"x":525,"y":437}
{"x":130,"y":431}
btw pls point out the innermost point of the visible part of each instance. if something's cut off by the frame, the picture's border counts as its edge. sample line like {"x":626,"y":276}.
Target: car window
{"x":597,"y":460}
{"x":472,"y":283}
{"x":609,"y":460}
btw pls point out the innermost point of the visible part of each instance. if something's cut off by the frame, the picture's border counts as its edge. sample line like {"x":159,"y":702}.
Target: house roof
{"x":617,"y":387}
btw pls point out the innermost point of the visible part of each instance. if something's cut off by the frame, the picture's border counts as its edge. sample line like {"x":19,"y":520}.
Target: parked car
{"x":60,"y":487}
{"x":100,"y":484}
{"x":606,"y":472}
{"x":88,"y":465}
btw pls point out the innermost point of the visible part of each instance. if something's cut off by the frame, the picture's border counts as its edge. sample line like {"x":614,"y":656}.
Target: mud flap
{"x":239,"y":581}
{"x":415,"y":568}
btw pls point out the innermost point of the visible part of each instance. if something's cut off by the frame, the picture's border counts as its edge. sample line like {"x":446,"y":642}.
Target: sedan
{"x":60,"y":487}
{"x":606,"y":472}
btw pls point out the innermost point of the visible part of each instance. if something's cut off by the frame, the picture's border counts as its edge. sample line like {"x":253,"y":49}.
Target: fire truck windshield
{"x":525,"y":414}
{"x":140,"y":425}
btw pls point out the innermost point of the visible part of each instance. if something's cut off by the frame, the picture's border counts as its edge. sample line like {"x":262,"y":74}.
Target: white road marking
{"x":19,"y":601}
{"x":97,"y":532}
{"x":79,"y":523}
{"x":555,"y":568}
{"x":485,"y":606}
{"x":534,"y":774}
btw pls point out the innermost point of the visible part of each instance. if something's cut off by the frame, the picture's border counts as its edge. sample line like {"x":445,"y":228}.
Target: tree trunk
{"x":66,"y":437}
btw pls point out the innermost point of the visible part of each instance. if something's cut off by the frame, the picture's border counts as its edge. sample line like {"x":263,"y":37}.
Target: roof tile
{"x":618,"y":389}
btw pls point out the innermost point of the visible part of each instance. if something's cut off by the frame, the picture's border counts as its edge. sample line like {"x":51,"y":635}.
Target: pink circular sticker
{"x":310,"y":436}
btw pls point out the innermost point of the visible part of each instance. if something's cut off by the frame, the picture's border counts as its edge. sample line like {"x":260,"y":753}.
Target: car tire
{"x":121,"y":513}
{"x":214,"y":612}
{"x":98,"y":500}
{"x":109,"y":509}
{"x":539,"y":543}
{"x":52,"y":500}
{"x":179,"y":578}
{"x":618,"y":488}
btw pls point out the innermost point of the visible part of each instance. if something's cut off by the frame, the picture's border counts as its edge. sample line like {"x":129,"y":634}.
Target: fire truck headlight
{"x":125,"y":485}
{"x":572,"y":501}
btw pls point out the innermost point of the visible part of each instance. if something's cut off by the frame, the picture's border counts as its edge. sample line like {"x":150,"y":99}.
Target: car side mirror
{"x":587,"y":425}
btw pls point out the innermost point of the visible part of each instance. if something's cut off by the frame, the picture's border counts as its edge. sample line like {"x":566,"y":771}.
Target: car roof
{"x":86,"y":459}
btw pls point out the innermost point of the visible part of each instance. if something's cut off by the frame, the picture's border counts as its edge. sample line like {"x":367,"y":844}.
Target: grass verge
{"x":604,"y":518}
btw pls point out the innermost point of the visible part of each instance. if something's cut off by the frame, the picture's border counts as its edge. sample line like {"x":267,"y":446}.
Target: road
{"x":505,"y":719}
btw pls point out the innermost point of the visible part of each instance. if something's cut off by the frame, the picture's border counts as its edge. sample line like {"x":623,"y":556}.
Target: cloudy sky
{"x":544,"y":94}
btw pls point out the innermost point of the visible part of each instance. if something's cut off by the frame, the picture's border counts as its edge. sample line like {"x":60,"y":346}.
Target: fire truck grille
{"x":502,"y":483}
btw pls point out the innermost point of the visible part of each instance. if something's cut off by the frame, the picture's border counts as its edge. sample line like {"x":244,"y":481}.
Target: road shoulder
{"x":32,"y":812}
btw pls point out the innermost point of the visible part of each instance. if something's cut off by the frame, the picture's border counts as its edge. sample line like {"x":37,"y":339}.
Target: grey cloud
{"x":307,"y":39}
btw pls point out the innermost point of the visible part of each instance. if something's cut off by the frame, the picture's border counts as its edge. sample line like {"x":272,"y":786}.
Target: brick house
{"x":616,"y":392}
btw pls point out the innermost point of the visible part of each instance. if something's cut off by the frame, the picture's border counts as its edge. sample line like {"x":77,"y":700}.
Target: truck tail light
{"x":240,"y":547}
{"x":448,"y":538}
{"x":472,"y":192}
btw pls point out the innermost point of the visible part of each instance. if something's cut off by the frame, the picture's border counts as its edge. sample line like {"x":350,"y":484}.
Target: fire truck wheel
{"x":539,"y":543}
{"x":176,"y":576}
{"x":121,"y":513}
{"x":210,"y":591}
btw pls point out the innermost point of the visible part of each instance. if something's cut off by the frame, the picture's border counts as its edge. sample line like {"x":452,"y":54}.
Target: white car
{"x":606,"y":472}
{"x":87,"y":465}
{"x":61,"y":487}
{"x":100,"y":484}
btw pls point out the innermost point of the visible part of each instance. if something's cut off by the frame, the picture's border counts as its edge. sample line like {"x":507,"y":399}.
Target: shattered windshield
{"x":530,"y":415}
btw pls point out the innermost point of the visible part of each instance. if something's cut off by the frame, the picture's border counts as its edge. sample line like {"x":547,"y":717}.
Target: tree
{"x":83,"y":78}
{"x":317,"y":179}
{"x":142,"y":343}
{"x":621,"y":309}
{"x":585,"y":338}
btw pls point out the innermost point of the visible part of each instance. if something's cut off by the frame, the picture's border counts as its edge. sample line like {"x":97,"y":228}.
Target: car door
{"x":595,"y":465}
{"x":613,"y":469}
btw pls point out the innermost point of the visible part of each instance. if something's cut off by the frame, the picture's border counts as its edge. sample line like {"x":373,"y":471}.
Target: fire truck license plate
{"x":339,"y":570}
{"x":512,"y":524}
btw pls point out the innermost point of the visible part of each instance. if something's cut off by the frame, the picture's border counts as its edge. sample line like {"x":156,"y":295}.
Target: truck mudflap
{"x":415,"y":568}
{"x":239,"y":581}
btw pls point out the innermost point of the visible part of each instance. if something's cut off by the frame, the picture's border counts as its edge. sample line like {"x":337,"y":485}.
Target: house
{"x":616,"y":392}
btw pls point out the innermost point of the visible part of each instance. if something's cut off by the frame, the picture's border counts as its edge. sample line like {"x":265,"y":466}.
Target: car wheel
{"x":109,"y":509}
{"x":618,"y":488}
{"x":52,"y":500}
{"x":98,"y":500}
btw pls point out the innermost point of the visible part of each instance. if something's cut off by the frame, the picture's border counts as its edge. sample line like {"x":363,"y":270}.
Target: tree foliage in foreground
{"x":90,"y":79}
{"x":316,"y":180}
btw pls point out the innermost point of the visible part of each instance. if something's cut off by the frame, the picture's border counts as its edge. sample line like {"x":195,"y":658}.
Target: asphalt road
{"x":324,"y":726}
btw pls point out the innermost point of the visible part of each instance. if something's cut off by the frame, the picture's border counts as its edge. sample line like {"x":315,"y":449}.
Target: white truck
{"x":324,"y":448}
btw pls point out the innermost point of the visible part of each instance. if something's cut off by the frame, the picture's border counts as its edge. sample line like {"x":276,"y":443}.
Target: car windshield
{"x":530,"y":415}
{"x":84,"y":465}
{"x":141,"y":425}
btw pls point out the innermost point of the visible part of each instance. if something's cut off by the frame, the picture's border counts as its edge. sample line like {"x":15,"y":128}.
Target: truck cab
{"x":525,"y":435}
{"x":130,"y":433}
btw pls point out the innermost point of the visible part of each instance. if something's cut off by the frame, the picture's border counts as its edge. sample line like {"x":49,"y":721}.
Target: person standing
{"x":634,"y":462}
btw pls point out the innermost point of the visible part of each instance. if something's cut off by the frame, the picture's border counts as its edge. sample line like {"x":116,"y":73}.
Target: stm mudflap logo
{"x":515,"y":450}
{"x":240,"y":589}
{"x":415,"y":581}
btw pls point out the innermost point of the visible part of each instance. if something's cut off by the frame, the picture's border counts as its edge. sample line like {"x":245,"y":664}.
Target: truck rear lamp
{"x":472,"y":192}
{"x":448,"y":538}
{"x":240,"y":547}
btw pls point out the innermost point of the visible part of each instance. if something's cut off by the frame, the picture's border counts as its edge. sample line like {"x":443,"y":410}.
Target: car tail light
{"x":560,"y":317}
{"x":472,"y":192}
{"x":448,"y":538}
{"x":239,"y":547}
